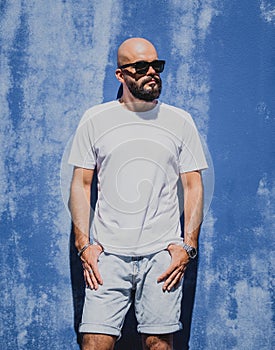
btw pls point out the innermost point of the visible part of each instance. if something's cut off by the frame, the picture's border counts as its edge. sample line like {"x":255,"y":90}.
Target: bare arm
{"x":193,"y":204}
{"x":80,"y":208}
{"x":80,"y":205}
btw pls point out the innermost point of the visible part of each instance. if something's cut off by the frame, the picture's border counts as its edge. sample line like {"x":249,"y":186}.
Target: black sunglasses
{"x":142,"y":67}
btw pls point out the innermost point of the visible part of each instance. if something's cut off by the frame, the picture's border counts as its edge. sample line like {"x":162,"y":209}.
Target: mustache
{"x":150,"y":77}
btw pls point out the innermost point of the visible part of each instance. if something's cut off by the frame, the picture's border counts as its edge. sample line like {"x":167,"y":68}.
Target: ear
{"x":119,"y":75}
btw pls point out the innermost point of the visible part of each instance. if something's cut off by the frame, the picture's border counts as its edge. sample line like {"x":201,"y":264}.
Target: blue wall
{"x":58,"y":59}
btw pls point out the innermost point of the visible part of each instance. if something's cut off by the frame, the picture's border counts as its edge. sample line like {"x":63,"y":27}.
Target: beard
{"x":139,"y":92}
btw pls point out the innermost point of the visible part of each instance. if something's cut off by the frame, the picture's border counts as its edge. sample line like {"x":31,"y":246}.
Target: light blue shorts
{"x":127,"y":280}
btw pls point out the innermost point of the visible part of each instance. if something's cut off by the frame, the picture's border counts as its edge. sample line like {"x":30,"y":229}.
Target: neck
{"x":135,"y":105}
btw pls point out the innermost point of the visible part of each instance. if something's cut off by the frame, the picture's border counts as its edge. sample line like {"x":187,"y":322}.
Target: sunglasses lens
{"x":142,"y":66}
{"x":158,"y":66}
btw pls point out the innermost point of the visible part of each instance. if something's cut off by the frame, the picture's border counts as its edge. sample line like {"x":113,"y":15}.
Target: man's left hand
{"x":174,"y":274}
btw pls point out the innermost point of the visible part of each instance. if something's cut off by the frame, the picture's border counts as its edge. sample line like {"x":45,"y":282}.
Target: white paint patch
{"x":106,"y":26}
{"x":264,"y":111}
{"x":234,"y":301}
{"x":64,"y":75}
{"x":254,"y":314}
{"x":238,"y":291}
{"x":25,"y":303}
{"x":267,"y":11}
{"x":192,"y":21}
{"x":189,"y":88}
{"x":205,"y":17}
{"x":244,"y":310}
{"x":207,"y":240}
{"x":266,"y":204}
{"x":9,"y":24}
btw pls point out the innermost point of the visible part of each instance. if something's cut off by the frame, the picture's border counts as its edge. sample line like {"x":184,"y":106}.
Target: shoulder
{"x":179,"y":113}
{"x":96,"y":110}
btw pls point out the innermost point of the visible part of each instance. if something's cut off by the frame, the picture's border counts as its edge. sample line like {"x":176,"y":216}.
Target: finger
{"x":173,"y":281}
{"x":96,"y":273}
{"x":90,"y":279}
{"x":93,"y":265}
{"x":166,"y":273}
{"x":93,"y":279}
{"x":171,"y":278}
{"x":87,"y":279}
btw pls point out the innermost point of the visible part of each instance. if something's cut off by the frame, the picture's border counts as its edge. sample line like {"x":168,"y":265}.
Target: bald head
{"x":136,"y":49}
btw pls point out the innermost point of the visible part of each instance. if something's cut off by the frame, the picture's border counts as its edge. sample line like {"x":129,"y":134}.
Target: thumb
{"x":94,"y":266}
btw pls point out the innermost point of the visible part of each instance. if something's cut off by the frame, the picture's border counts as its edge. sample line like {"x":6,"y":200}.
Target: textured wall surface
{"x":58,"y":59}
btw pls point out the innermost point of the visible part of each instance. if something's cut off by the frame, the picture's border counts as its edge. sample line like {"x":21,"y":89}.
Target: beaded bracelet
{"x":82,"y":250}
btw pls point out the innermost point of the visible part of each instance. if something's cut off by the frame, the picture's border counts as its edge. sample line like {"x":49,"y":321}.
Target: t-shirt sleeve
{"x":192,"y":155}
{"x":82,"y":152}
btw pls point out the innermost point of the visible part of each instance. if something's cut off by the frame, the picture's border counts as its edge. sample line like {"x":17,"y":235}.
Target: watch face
{"x":192,"y":253}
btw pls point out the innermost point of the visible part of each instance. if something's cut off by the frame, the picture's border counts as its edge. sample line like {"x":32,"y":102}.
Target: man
{"x":140,"y":148}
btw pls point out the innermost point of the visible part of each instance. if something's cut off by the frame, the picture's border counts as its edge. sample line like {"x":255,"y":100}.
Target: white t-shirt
{"x":138,"y":157}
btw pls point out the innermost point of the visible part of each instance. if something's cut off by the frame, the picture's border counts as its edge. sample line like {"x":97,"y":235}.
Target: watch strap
{"x":191,"y":251}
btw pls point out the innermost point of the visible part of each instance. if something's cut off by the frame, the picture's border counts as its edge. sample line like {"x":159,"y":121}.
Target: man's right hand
{"x":89,"y":260}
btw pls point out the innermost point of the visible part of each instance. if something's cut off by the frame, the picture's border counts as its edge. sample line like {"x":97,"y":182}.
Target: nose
{"x":151,"y":71}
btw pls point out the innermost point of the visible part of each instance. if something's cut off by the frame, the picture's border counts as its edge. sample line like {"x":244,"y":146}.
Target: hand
{"x":174,"y":274}
{"x":89,"y":260}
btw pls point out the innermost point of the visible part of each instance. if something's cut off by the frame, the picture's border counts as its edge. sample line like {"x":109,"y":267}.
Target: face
{"x":145,"y":84}
{"x":146,"y":87}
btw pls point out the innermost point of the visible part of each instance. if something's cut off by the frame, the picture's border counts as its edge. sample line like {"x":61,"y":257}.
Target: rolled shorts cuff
{"x":159,"y":329}
{"x":99,"y":329}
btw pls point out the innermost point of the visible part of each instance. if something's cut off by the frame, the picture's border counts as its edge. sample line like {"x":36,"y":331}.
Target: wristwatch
{"x":191,"y":251}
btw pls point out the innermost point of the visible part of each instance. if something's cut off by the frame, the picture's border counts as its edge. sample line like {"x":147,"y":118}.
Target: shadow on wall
{"x":130,"y":339}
